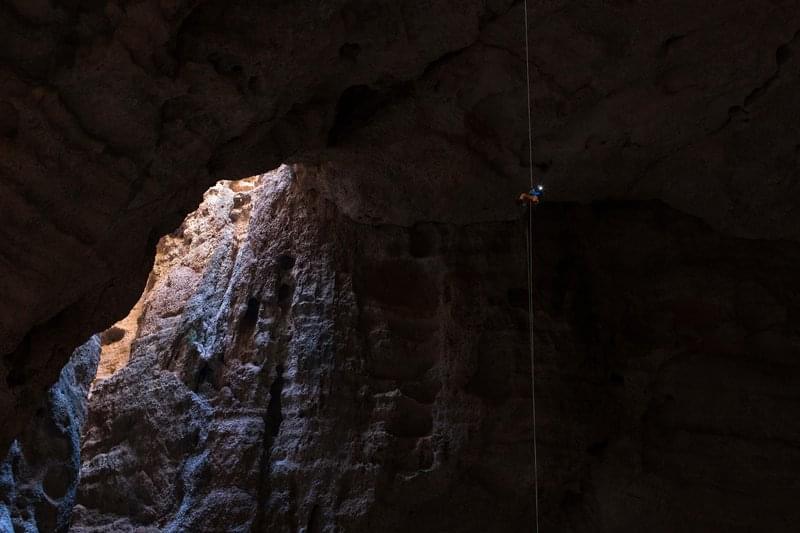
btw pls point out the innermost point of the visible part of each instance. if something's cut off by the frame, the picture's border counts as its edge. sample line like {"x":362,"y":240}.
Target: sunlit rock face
{"x":295,"y":370}
{"x":116,"y":343}
{"x":39,"y":477}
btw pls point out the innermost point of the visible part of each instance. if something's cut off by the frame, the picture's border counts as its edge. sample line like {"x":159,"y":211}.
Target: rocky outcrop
{"x":296,"y":370}
{"x":115,"y":116}
{"x":39,"y":477}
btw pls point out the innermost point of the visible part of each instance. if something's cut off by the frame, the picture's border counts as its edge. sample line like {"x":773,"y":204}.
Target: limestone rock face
{"x":39,"y":477}
{"x":115,"y":116}
{"x":296,"y":370}
{"x":116,"y":343}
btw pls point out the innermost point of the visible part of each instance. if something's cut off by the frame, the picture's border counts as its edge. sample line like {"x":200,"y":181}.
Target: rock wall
{"x":39,"y":477}
{"x":115,"y":116}
{"x":116,"y":343}
{"x":296,"y":370}
{"x":668,"y":360}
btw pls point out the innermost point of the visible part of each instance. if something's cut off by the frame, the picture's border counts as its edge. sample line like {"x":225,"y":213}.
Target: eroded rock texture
{"x":114,"y":116}
{"x":39,"y":477}
{"x":321,"y":374}
{"x":296,"y":371}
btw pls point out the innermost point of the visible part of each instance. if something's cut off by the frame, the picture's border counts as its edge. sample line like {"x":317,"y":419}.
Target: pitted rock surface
{"x":296,"y":370}
{"x":39,"y":477}
{"x":115,"y":116}
{"x":317,"y":373}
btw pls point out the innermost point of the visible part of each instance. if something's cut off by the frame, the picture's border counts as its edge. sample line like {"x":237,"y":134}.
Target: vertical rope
{"x":529,"y":242}
{"x":528,"y":94}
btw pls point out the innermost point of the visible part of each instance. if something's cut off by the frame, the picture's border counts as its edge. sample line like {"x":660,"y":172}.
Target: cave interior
{"x":263,"y":268}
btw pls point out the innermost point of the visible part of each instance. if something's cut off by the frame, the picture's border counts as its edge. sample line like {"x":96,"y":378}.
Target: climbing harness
{"x":532,"y":198}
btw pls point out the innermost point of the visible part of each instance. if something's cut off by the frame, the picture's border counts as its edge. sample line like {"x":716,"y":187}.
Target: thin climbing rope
{"x":529,"y":242}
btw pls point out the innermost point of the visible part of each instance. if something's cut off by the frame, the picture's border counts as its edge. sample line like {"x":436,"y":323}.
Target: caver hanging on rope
{"x":532,"y":197}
